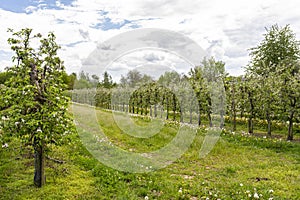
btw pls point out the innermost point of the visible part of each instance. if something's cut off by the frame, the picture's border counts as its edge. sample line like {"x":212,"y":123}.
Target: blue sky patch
{"x":107,"y":24}
{"x":19,"y":6}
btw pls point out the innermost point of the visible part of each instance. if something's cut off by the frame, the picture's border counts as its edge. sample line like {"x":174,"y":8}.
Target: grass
{"x":238,"y":167}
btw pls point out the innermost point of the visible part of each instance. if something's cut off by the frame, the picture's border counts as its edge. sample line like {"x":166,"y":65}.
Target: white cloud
{"x":236,"y":25}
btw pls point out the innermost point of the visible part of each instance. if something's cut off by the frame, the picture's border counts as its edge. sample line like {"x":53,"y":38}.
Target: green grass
{"x":237,"y":167}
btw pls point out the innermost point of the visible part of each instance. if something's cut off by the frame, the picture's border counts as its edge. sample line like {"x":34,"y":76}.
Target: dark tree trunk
{"x":250,"y":125}
{"x":234,"y":121}
{"x":250,"y":121}
{"x":233,"y":108}
{"x":199,"y":112}
{"x":39,"y":166}
{"x":209,"y":119}
{"x":208,"y":111}
{"x":155,"y":110}
{"x":290,"y":131}
{"x":199,"y":118}
{"x":39,"y":157}
{"x":174,"y":107}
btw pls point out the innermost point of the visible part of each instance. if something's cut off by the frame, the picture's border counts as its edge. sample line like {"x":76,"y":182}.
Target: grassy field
{"x":238,"y":167}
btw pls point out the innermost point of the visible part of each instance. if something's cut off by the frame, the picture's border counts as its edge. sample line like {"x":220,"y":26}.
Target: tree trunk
{"x":234,"y":122}
{"x":155,"y":110}
{"x":167,"y":117}
{"x":233,"y":108}
{"x":250,"y":125}
{"x":269,"y":123}
{"x":209,"y":119}
{"x":250,"y":121}
{"x":191,"y":113}
{"x":290,"y":131}
{"x":39,"y":166}
{"x":199,"y":118}
{"x":181,"y":113}
{"x":174,"y":107}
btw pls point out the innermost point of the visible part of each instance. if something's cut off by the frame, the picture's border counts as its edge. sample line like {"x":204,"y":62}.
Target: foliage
{"x":34,"y":106}
{"x":274,"y":65}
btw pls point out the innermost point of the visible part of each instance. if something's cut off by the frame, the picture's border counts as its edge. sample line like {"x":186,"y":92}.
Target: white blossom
{"x":5,"y":145}
{"x":256,"y":196}
{"x":180,"y":190}
{"x":39,"y":130}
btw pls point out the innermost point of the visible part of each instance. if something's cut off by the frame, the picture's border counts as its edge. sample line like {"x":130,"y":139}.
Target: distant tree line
{"x":267,"y":95}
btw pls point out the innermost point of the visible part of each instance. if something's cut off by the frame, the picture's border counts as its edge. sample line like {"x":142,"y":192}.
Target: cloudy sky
{"x":223,"y":29}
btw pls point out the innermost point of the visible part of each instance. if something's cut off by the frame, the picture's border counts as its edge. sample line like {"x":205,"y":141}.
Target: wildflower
{"x":256,"y":196}
{"x":5,"y":145}
{"x":146,"y":197}
{"x":265,"y":137}
{"x":249,"y":195}
{"x":39,"y":130}
{"x":180,"y":190}
{"x":271,"y":191}
{"x":241,"y":184}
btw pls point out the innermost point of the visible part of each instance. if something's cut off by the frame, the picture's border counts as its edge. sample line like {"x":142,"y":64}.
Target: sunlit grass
{"x":238,"y":167}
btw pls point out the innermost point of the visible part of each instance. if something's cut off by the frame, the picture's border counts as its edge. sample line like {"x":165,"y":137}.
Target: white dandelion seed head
{"x":255,"y":196}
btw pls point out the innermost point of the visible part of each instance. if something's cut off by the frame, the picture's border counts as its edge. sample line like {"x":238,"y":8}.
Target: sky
{"x":223,"y":29}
